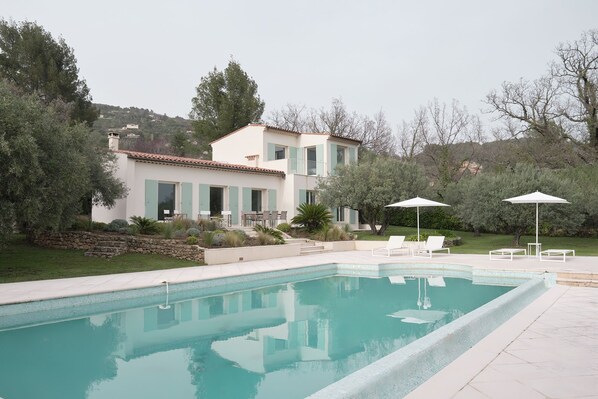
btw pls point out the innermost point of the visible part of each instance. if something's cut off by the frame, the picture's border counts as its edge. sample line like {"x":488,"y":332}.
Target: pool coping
{"x":446,"y":383}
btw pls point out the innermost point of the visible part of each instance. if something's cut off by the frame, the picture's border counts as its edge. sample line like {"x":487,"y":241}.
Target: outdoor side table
{"x":537,"y":246}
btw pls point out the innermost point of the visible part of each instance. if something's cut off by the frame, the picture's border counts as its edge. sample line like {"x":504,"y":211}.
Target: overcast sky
{"x":389,"y":55}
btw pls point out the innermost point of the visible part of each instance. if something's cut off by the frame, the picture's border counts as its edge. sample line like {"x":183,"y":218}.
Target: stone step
{"x":578,"y":275}
{"x":312,"y":249}
{"x":577,"y":282}
{"x":99,"y":248}
{"x":116,"y":244}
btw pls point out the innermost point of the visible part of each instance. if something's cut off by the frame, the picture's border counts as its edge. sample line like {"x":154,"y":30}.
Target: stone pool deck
{"x":548,"y":350}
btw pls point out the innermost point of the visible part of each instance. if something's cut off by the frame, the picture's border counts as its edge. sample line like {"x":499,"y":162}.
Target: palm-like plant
{"x":275,"y":234}
{"x":145,"y":225}
{"x":312,"y":216}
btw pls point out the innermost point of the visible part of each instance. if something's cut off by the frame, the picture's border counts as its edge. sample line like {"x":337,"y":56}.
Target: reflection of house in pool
{"x":259,"y":330}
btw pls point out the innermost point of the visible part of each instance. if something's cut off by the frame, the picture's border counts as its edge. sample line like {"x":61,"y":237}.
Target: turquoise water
{"x":285,"y":341}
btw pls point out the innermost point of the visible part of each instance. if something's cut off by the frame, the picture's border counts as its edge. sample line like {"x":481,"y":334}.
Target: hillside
{"x":142,"y":129}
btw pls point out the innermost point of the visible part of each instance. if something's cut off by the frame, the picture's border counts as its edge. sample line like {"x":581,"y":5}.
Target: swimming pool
{"x":286,"y":339}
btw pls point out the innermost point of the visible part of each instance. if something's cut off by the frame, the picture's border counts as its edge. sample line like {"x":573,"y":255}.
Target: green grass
{"x":487,"y":242}
{"x":20,"y":261}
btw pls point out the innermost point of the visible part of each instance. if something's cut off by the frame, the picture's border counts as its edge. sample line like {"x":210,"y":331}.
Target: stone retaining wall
{"x":85,"y":240}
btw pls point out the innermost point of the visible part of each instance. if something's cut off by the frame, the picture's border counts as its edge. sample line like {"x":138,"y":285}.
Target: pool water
{"x":285,"y":341}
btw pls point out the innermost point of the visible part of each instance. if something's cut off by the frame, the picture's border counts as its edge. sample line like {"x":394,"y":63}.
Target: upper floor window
{"x":312,"y":164}
{"x":279,"y":152}
{"x":341,"y":155}
{"x":310,"y":197}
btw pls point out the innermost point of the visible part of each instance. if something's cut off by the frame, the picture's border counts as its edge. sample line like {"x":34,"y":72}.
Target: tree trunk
{"x":517,"y":238}
{"x":373,"y":227}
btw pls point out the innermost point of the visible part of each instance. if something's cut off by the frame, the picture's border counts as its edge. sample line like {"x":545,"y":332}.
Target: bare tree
{"x":374,"y":133}
{"x":448,"y":136}
{"x":292,"y":117}
{"x":410,"y":135}
{"x":557,"y":114}
{"x":577,"y":71}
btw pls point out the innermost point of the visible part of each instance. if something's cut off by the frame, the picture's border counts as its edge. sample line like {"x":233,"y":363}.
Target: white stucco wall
{"x":236,"y":146}
{"x":135,"y":174}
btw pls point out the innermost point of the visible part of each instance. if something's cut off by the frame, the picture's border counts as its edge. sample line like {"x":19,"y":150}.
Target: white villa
{"x":255,"y":168}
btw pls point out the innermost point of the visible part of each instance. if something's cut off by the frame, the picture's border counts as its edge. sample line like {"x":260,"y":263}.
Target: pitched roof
{"x":270,"y":127}
{"x":201,"y":163}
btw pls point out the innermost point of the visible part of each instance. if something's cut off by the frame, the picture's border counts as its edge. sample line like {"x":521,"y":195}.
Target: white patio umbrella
{"x":416,"y":202}
{"x":536,"y":198}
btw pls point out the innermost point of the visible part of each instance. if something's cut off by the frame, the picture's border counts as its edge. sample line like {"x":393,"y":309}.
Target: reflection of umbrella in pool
{"x":536,"y":198}
{"x":419,"y":315}
{"x":416,"y":202}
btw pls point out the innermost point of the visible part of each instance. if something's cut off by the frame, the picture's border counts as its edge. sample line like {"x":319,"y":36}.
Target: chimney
{"x":113,"y":141}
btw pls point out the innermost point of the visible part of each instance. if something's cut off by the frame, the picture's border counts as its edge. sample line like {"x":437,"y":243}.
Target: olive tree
{"x":479,"y":201}
{"x":48,"y":166}
{"x":370,"y":185}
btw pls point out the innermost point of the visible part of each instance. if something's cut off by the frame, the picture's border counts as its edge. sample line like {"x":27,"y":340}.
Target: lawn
{"x":20,"y":261}
{"x":486,"y":242}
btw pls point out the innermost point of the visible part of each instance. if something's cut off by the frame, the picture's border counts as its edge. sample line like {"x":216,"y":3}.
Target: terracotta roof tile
{"x":197,"y":162}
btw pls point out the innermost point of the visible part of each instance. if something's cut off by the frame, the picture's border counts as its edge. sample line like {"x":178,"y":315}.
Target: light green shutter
{"x":352,"y":216}
{"x":322,"y":330}
{"x":332,"y":158}
{"x":151,"y":199}
{"x":233,"y":203}
{"x":271,"y":150}
{"x":320,"y":159}
{"x":333,"y":211}
{"x":293,"y":159}
{"x":186,"y":311}
{"x":301,"y":160}
{"x":302,"y":197}
{"x":352,"y":155}
{"x":187,"y":199}
{"x":246,"y":199}
{"x":272,"y":200}
{"x":246,"y":301}
{"x":204,"y":197}
{"x":150,"y":319}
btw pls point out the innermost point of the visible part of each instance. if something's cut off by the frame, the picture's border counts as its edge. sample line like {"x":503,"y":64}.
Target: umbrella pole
{"x":536,"y":228}
{"x":418,"y":226}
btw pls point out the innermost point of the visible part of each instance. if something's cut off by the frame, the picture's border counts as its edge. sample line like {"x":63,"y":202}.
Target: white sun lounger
{"x":393,"y":245}
{"x":433,"y":244}
{"x":556,"y":252}
{"x":506,"y":251}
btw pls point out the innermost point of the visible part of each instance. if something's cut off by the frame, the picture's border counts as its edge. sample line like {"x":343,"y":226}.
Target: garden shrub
{"x":284,"y":227}
{"x":334,"y":233}
{"x":180,"y":234}
{"x":192,"y":231}
{"x":218,"y":238}
{"x":234,"y":239}
{"x":98,"y":226}
{"x":167,"y":230}
{"x":265,"y":238}
{"x":82,"y":223}
{"x":116,"y":225}
{"x":208,"y":239}
{"x":192,"y":240}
